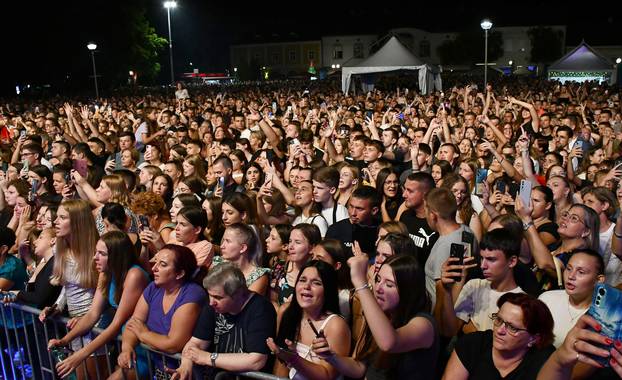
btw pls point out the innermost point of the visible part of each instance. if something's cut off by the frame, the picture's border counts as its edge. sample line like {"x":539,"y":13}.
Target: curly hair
{"x":148,"y":203}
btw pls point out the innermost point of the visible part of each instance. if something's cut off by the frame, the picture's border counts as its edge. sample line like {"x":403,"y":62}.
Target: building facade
{"x":280,"y":59}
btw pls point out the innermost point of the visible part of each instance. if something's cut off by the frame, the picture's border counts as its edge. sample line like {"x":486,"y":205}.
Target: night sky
{"x":47,"y":41}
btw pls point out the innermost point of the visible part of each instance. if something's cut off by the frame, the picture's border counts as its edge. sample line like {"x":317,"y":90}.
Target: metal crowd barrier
{"x":24,"y":354}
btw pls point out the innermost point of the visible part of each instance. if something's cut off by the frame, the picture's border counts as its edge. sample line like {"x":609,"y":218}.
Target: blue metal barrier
{"x":24,"y":354}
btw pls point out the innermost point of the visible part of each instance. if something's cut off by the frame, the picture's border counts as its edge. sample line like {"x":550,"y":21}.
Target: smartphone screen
{"x":480,"y":177}
{"x":606,"y":308}
{"x":143,"y":222}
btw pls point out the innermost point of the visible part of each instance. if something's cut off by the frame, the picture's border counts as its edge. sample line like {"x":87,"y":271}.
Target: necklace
{"x":573,"y":317}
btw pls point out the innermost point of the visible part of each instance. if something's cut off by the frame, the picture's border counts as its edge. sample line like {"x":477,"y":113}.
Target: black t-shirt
{"x":245,"y":332}
{"x":421,"y":233}
{"x":347,"y":233}
{"x":475,"y":352}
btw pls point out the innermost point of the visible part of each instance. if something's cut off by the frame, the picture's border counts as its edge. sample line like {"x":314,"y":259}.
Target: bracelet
{"x":619,"y":236}
{"x":362,"y":287}
{"x":502,"y":159}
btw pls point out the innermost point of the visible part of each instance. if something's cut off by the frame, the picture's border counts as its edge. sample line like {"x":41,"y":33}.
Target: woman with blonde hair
{"x":112,"y":188}
{"x":74,"y":270}
{"x":348,"y":181}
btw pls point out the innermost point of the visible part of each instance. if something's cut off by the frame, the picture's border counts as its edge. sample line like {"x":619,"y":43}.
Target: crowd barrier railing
{"x":24,"y":354}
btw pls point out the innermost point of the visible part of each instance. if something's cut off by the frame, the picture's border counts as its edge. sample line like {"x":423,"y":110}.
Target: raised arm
{"x":418,"y":333}
{"x":539,"y":251}
{"x":535,"y":120}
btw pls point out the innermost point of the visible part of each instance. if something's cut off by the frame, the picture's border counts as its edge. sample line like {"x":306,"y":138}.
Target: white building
{"x":516,"y":43}
{"x":346,"y":50}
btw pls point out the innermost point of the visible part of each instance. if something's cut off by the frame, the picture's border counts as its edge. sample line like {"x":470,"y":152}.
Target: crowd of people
{"x":313,"y":234}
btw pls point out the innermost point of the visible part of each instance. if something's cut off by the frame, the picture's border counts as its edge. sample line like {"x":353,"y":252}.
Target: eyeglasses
{"x":27,"y":153}
{"x":497,"y":321}
{"x":573,"y":218}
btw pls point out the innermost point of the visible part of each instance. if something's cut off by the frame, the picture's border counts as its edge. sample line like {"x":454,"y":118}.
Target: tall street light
{"x":92,"y":46}
{"x":169,"y":5}
{"x":486,"y":24}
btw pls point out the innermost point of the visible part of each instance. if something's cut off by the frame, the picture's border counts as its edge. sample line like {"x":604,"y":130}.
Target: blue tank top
{"x":112,"y":288}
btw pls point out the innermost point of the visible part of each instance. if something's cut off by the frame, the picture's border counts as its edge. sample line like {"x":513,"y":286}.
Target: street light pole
{"x":168,"y":5}
{"x":486,"y":25}
{"x":92,"y":46}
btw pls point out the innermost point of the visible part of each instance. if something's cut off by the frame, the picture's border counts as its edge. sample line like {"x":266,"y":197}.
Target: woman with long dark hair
{"x":121,"y":283}
{"x":315,"y":307}
{"x":388,"y":187}
{"x":395,"y":337}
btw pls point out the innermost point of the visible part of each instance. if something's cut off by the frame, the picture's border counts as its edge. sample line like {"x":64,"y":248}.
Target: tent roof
{"x":582,"y":58}
{"x":393,"y":53}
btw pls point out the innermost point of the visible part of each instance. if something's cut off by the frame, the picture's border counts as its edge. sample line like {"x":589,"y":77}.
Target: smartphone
{"x":514,"y":188}
{"x":525,"y":192}
{"x":143,"y":222}
{"x":317,"y":333}
{"x":480,"y":133}
{"x":369,"y":114}
{"x":22,"y":133}
{"x":400,"y":115}
{"x":81,"y":167}
{"x":273,"y":106}
{"x":468,"y":238}
{"x":289,"y":109}
{"x":26,"y":165}
{"x":606,"y":308}
{"x":500,"y":187}
{"x":457,"y":250}
{"x":34,"y":187}
{"x":294,"y":142}
{"x":480,"y":177}
{"x":68,"y":178}
{"x":221,"y":182}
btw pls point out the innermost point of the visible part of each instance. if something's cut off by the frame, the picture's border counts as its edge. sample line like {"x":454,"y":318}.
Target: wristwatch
{"x":527,"y":225}
{"x":213,"y":357}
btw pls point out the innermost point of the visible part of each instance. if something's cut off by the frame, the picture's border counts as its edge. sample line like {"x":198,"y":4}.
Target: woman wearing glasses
{"x":516,"y":347}
{"x":578,"y":229}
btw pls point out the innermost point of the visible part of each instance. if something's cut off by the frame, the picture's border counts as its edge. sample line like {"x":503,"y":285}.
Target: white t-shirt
{"x":316,"y":219}
{"x":182,"y":94}
{"x":341,"y":214}
{"x":564,"y":315}
{"x":613,"y":265}
{"x":477,"y":301}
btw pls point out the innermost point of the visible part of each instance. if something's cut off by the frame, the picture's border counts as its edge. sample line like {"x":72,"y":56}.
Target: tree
{"x":546,"y":44}
{"x":468,"y":48}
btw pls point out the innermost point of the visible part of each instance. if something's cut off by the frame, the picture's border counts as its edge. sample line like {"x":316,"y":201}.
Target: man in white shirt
{"x":477,"y":299}
{"x":325,"y":183}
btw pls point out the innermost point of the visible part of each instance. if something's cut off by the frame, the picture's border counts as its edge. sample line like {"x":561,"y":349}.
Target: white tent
{"x":583,"y":63}
{"x":393,"y":56}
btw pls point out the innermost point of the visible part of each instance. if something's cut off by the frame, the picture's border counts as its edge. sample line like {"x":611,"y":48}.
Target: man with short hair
{"x":223,"y":168}
{"x":325,"y":184}
{"x":127,"y":140}
{"x":477,"y":299}
{"x":60,"y":152}
{"x":234,"y":327}
{"x":416,"y":187}
{"x":362,"y":225}
{"x":174,"y":169}
{"x":440,"y":212}
{"x":449,"y":153}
